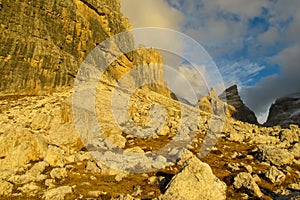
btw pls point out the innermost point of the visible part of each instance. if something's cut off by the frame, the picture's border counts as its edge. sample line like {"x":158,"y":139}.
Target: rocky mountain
{"x":241,"y":111}
{"x":119,"y":145}
{"x":284,"y":111}
{"x":43,"y":43}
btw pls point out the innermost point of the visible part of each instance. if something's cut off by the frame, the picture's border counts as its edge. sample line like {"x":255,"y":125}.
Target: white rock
{"x":55,"y":156}
{"x":274,"y":175}
{"x":92,"y":167}
{"x":5,"y":188}
{"x":30,"y":189}
{"x":57,"y":193}
{"x":96,"y":194}
{"x":59,"y":173}
{"x":246,"y":182}
{"x":195,"y":181}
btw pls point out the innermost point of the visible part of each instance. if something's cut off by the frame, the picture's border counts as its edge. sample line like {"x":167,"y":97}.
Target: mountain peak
{"x":242,"y":112}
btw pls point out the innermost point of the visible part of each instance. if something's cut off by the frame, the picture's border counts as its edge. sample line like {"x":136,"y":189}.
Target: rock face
{"x":284,"y":111}
{"x":43,"y":43}
{"x":241,"y":111}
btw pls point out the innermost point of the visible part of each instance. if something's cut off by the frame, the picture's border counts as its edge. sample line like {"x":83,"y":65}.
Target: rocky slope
{"x":42,"y":155}
{"x":241,"y":111}
{"x":284,"y":111}
{"x":43,"y":43}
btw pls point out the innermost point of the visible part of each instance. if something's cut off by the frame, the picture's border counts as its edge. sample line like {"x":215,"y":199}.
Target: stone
{"x":65,"y":137}
{"x":245,"y":182}
{"x":82,"y":156}
{"x":294,"y":186}
{"x":92,"y":168}
{"x":125,"y":197}
{"x":41,"y":121}
{"x":195,"y":181}
{"x":289,"y":136}
{"x":32,"y":175}
{"x":5,"y":188}
{"x":116,"y":140}
{"x":152,"y":180}
{"x":136,"y":149}
{"x":96,"y":194}
{"x":57,"y":193}
{"x":59,"y":173}
{"x":6,"y":174}
{"x":274,"y":175}
{"x":20,"y":148}
{"x":295,"y":150}
{"x":30,"y":189}
{"x":50,"y":183}
{"x":264,"y":139}
{"x":236,"y":137}
{"x":55,"y":156}
{"x":276,"y":156}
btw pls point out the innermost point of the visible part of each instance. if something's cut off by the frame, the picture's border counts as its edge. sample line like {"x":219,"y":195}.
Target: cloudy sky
{"x":255,"y":43}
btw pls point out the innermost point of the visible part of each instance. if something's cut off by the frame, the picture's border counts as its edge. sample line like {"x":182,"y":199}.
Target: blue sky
{"x":255,"y":43}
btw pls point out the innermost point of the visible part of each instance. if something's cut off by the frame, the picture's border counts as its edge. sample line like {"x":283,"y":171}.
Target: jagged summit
{"x":241,"y":112}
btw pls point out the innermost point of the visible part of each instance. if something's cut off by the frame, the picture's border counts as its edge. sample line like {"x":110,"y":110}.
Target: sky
{"x":254,"y":43}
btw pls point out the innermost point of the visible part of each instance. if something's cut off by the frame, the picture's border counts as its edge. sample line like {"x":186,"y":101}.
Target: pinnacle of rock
{"x":241,"y":112}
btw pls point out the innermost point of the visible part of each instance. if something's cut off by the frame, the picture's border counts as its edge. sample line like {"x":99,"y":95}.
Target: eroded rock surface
{"x":284,"y":112}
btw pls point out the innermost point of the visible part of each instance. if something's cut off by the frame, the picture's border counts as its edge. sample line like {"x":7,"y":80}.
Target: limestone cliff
{"x":42,"y":43}
{"x":241,"y":111}
{"x":284,"y":111}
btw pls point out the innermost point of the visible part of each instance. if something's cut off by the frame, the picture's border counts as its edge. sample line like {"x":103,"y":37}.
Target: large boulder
{"x":274,"y":155}
{"x":195,"y":181}
{"x":20,"y":148}
{"x":245,"y":182}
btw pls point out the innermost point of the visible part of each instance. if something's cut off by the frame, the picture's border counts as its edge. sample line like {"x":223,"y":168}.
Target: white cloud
{"x":187,"y":82}
{"x":223,"y":27}
{"x":242,"y":8}
{"x":159,"y":14}
{"x":240,"y":73}
{"x":270,"y":37}
{"x":152,"y":13}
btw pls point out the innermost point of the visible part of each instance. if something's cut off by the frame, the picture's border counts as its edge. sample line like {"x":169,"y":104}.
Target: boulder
{"x":274,"y":175}
{"x":5,"y":188}
{"x":245,"y":182}
{"x":57,"y":193}
{"x":55,"y":156}
{"x":274,"y":155}
{"x":59,"y":173}
{"x":21,"y":148}
{"x":195,"y":181}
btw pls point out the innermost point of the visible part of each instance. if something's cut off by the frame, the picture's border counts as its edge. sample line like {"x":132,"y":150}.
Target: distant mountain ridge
{"x":284,"y":112}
